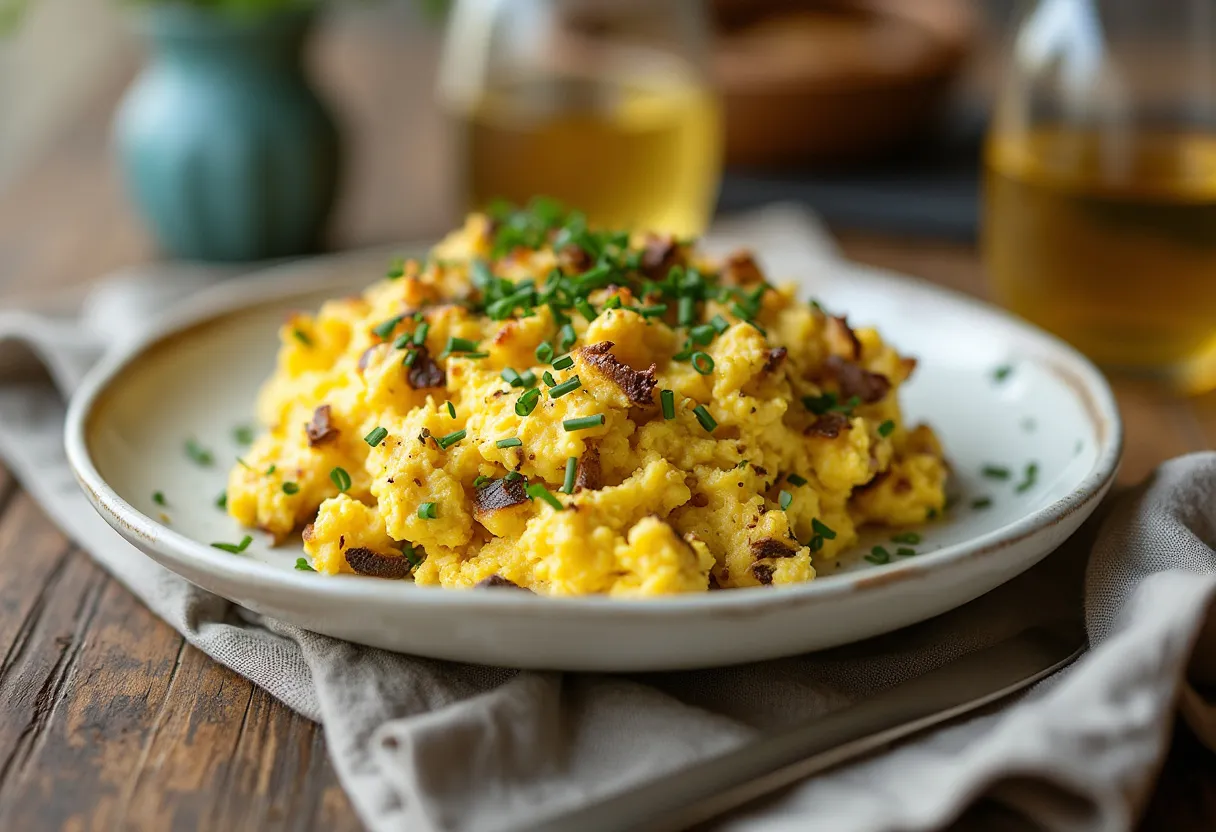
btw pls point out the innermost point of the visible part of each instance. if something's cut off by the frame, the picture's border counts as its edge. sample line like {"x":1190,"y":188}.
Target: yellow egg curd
{"x":575,"y":411}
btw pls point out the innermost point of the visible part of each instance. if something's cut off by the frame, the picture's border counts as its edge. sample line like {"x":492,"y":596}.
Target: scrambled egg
{"x":572,"y":411}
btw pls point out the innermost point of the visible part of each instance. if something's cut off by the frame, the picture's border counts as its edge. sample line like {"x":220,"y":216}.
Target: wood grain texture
{"x":107,"y":719}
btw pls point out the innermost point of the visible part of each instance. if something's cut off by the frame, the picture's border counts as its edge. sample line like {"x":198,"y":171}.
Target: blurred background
{"x":1068,"y":139}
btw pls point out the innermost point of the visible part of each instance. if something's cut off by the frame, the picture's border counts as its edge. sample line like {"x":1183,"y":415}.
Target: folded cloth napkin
{"x":430,"y":745}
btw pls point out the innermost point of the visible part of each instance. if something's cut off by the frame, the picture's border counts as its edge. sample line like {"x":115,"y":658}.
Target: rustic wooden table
{"x":107,"y":718}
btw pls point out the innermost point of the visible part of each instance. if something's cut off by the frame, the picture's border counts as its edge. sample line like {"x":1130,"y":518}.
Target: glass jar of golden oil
{"x":1100,"y":183}
{"x":604,"y":105}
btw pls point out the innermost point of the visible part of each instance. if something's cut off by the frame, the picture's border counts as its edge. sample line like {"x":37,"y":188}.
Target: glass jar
{"x":1100,"y":182}
{"x":604,"y":105}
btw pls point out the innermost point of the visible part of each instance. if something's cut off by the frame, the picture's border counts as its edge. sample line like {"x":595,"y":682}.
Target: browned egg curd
{"x":1110,"y":242}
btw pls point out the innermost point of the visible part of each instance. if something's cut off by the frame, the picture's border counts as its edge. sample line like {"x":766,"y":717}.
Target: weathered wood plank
{"x":79,"y":774}
{"x":47,"y":603}
{"x":224,"y":755}
{"x":1157,"y":426}
{"x":280,"y":776}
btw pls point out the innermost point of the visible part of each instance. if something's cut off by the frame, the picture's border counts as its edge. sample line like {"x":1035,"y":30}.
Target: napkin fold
{"x":421,"y":744}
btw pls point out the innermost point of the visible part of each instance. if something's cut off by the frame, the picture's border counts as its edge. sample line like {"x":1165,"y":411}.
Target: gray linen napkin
{"x":430,"y":745}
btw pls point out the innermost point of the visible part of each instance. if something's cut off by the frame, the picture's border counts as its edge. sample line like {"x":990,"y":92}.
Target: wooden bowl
{"x":833,"y":81}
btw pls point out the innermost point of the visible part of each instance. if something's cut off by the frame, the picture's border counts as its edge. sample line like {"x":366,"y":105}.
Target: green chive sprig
{"x":583,"y":422}
{"x":340,"y":479}
{"x":234,"y":548}
{"x":571,"y":475}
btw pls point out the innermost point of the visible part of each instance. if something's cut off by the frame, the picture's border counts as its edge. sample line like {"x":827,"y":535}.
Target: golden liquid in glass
{"x":1111,"y":246}
{"x":628,"y":155}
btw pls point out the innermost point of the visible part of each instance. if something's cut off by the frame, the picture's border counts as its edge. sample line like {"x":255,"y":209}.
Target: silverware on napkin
{"x":694,"y":795}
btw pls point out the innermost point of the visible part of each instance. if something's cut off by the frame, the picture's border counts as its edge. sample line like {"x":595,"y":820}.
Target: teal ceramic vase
{"x":225,"y":148}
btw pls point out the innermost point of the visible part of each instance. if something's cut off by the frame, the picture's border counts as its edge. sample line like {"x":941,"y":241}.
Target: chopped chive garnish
{"x":571,"y":475}
{"x":911,"y":538}
{"x":559,"y":390}
{"x":480,"y":481}
{"x":719,"y":324}
{"x":512,"y":476}
{"x":271,"y":469}
{"x":702,"y":363}
{"x":158,"y":497}
{"x":410,"y":358}
{"x":537,"y":489}
{"x":684,"y":354}
{"x":474,"y":355}
{"x":403,"y":341}
{"x":375,"y":437}
{"x":886,"y":428}
{"x":879,"y":555}
{"x":544,"y":352}
{"x":303,"y":565}
{"x":455,"y":344}
{"x":613,"y":302}
{"x":301,"y":336}
{"x":931,"y":514}
{"x":668,"y":399}
{"x":583,"y":422}
{"x":1002,"y":372}
{"x":234,"y":548}
{"x":396,"y":268}
{"x":527,"y":378}
{"x":652,"y":311}
{"x":702,"y":334}
{"x":290,"y":488}
{"x":243,"y":434}
{"x":509,"y":442}
{"x":527,"y":402}
{"x":385,"y":329}
{"x":243,"y":464}
{"x":1032,"y":474}
{"x":795,"y":480}
{"x":784,"y":499}
{"x":548,"y":379}
{"x":563,"y":363}
{"x":741,"y":311}
{"x":340,"y":479}
{"x":687,"y":311}
{"x":995,"y":472}
{"x":981,"y":502}
{"x":742,"y":464}
{"x":758,"y":328}
{"x":411,"y":554}
{"x":451,"y":410}
{"x":221,"y":502}
{"x":707,"y":421}
{"x":511,"y":376}
{"x":428,"y":511}
{"x":904,"y":551}
{"x":198,"y":454}
{"x":566,"y":338}
{"x":818,"y":527}
{"x":451,"y":439}
{"x":585,"y":309}
{"x":816,"y":543}
{"x":420,"y":333}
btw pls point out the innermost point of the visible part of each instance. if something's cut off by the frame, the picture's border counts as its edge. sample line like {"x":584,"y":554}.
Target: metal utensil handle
{"x":694,"y":795}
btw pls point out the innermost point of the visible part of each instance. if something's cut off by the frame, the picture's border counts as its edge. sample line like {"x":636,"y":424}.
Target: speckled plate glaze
{"x":195,"y":374}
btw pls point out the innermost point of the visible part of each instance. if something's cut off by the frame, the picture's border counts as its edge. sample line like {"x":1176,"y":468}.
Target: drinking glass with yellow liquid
{"x":602,"y":104}
{"x":1100,"y":182}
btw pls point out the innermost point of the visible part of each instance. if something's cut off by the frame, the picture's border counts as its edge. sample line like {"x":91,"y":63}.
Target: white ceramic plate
{"x":196,"y":373}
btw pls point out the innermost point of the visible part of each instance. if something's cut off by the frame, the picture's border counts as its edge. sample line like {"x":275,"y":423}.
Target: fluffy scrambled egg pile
{"x":573,"y":411}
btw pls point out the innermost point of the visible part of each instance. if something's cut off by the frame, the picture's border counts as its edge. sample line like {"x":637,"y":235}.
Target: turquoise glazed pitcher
{"x":226,"y":150}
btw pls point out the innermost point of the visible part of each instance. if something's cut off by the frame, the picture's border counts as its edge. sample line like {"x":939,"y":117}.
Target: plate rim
{"x":313,"y":275}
